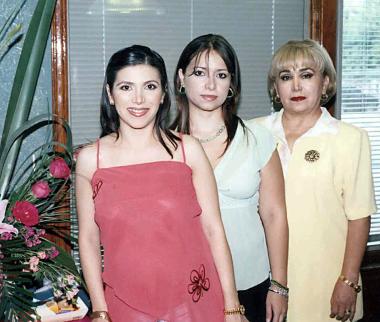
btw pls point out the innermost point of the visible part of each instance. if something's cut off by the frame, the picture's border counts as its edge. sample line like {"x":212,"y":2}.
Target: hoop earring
{"x":324,"y":97}
{"x":182,"y":90}
{"x":230,"y":93}
{"x":277,"y":99}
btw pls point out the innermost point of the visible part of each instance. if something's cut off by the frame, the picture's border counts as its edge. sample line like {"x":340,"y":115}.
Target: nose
{"x":210,"y":84}
{"x":138,"y":97}
{"x":296,"y":83}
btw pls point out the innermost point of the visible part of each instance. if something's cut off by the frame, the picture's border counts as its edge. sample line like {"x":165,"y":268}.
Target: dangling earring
{"x":230,"y":93}
{"x":182,"y":89}
{"x":277,"y":99}
{"x":324,"y":97}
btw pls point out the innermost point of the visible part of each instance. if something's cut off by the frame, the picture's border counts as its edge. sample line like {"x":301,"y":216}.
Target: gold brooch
{"x":311,"y":156}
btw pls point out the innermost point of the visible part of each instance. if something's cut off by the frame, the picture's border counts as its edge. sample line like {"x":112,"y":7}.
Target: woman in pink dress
{"x":147,"y":197}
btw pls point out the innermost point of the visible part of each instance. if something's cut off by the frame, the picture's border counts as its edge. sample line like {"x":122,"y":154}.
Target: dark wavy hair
{"x":132,"y":56}
{"x":194,"y":49}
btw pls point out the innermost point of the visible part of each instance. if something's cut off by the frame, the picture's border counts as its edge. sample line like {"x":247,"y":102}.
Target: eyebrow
{"x":205,"y":68}
{"x":132,"y":83}
{"x":300,"y":70}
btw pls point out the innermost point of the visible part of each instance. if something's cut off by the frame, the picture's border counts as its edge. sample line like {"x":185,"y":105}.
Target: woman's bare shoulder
{"x":195,"y":154}
{"x":191,"y":144}
{"x":86,"y":157}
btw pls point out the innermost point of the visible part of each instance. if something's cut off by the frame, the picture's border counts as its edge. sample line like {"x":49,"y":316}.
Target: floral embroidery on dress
{"x":199,"y":283}
{"x":96,"y":188}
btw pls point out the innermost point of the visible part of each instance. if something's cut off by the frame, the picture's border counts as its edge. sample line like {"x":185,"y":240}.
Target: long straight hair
{"x":194,"y":50}
{"x":132,"y":56}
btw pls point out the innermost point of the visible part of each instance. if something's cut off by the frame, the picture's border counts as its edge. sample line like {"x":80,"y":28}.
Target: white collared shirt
{"x":325,"y":124}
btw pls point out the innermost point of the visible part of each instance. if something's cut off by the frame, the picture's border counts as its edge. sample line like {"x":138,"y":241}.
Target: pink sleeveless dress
{"x":157,"y":262}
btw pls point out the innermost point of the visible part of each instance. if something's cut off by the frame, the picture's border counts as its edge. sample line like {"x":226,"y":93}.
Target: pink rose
{"x":41,"y":189}
{"x":59,"y":168}
{"x":26,"y":213}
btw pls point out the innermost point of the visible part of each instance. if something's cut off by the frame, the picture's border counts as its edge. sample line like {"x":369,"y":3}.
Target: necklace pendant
{"x":214,"y":136}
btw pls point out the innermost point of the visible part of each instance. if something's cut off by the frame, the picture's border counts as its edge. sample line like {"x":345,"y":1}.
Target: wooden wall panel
{"x":60,"y":89}
{"x":322,"y":26}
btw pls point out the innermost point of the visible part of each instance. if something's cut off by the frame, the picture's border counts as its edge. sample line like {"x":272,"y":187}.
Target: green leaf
{"x":8,"y":35}
{"x":27,"y":127}
{"x":64,"y":258}
{"x":16,"y":302}
{"x":10,"y":40}
{"x":11,"y":18}
{"x":25,"y":83}
{"x":22,"y":302}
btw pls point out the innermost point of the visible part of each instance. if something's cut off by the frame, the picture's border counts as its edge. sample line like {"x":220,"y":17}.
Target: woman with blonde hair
{"x":328,"y":185}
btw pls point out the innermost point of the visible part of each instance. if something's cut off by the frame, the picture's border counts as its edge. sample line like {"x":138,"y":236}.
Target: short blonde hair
{"x":296,"y":52}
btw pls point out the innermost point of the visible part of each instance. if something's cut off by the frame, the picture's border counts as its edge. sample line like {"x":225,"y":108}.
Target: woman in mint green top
{"x":238,"y":179}
{"x":247,"y":170}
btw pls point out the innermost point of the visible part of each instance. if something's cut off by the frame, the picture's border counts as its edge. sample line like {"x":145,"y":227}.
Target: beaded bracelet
{"x":356,"y":287}
{"x":237,"y":310}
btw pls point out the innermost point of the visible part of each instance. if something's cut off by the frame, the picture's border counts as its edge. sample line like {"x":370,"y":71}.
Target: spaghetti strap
{"x":97,"y":153}
{"x":182,"y":148}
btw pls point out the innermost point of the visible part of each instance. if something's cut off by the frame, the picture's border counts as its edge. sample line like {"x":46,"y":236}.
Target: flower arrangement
{"x":34,"y":200}
{"x":35,"y":208}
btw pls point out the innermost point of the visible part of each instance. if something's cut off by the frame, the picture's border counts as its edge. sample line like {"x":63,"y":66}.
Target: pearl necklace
{"x":212,"y":137}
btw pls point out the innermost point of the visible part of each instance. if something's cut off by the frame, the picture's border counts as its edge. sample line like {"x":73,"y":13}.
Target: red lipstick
{"x":298,"y":98}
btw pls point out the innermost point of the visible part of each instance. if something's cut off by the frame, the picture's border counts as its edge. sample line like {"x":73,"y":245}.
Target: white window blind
{"x":97,"y":28}
{"x":360,"y":81}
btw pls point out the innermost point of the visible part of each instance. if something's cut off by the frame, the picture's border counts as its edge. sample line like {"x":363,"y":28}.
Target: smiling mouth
{"x":209,"y":97}
{"x":298,"y":98}
{"x":137,"y":112}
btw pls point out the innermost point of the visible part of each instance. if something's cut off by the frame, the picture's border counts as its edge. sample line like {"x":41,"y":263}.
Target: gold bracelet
{"x":100,"y":315}
{"x":237,"y":310}
{"x":356,"y":287}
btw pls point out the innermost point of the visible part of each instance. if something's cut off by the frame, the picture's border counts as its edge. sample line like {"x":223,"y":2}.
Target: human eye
{"x":223,"y":75}
{"x":151,"y":86}
{"x":307,"y":75}
{"x":198,"y":72}
{"x":125,"y":87}
{"x":285,"y":77}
